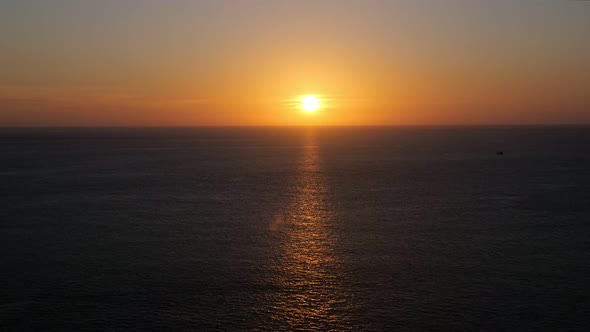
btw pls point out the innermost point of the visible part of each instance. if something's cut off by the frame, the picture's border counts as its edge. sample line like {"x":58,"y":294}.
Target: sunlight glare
{"x":310,"y":103}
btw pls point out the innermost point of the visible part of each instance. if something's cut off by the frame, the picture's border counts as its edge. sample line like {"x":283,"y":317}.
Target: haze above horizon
{"x":230,"y":63}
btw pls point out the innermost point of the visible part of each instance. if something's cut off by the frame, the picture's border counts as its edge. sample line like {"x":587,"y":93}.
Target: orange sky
{"x":186,"y":63}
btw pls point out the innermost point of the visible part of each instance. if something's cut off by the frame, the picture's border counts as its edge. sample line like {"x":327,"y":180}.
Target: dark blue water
{"x":295,"y":229}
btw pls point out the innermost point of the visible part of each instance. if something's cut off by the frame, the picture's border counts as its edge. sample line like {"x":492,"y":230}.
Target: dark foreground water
{"x":295,"y":229}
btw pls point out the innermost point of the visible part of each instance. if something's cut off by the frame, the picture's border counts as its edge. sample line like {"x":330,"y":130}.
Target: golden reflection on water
{"x":309,"y":293}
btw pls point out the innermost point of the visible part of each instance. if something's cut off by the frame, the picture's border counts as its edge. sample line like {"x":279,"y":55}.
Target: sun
{"x":310,"y":103}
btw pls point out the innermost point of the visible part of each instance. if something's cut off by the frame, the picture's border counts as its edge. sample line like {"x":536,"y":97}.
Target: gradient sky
{"x":241,"y":62}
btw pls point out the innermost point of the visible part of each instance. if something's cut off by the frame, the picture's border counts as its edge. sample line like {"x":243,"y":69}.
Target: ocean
{"x":285,"y":229}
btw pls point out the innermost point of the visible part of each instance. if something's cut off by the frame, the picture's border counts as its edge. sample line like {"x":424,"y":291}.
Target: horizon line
{"x":292,"y":126}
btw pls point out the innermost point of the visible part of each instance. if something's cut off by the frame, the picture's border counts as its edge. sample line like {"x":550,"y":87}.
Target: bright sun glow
{"x":310,"y":103}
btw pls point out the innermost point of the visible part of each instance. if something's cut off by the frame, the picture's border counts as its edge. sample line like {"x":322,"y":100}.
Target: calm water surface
{"x":364,"y":229}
